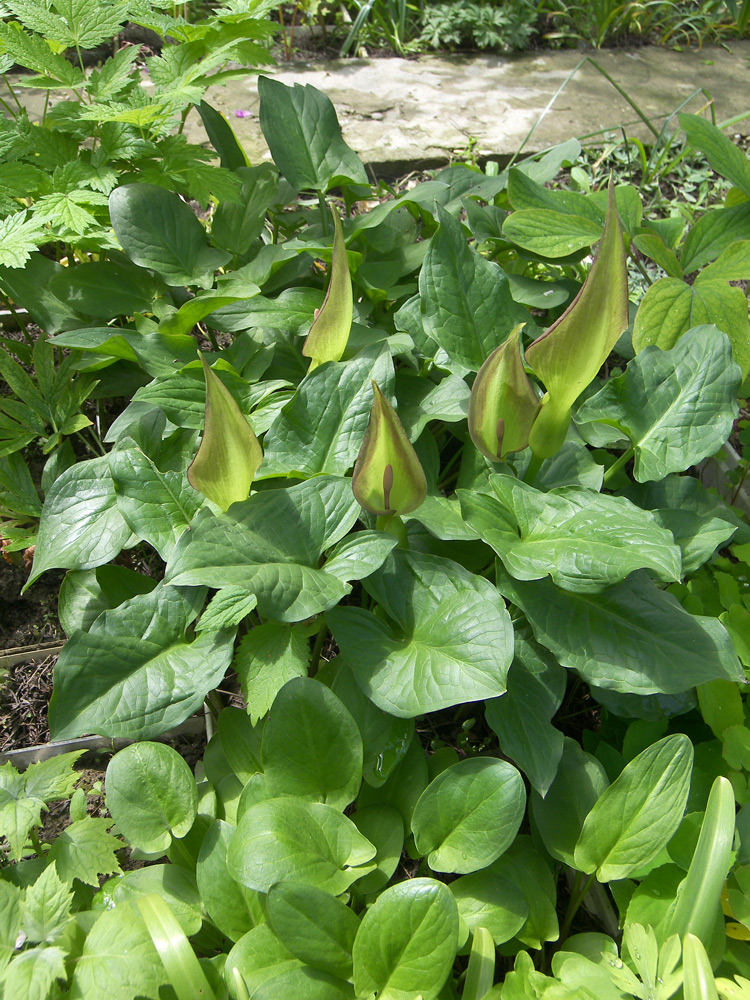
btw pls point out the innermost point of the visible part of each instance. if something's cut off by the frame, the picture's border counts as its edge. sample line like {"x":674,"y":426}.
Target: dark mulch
{"x":24,"y":695}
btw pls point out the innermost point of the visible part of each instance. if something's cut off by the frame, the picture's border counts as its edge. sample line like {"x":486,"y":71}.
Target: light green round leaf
{"x":231,"y":906}
{"x":487,"y":900}
{"x":469,"y":814}
{"x":134,"y":673}
{"x":404,"y":784}
{"x":315,"y":926}
{"x":81,"y":526}
{"x":450,"y":640}
{"x":305,"y":842}
{"x":529,"y":870}
{"x":676,"y":406}
{"x":584,"y":540}
{"x":311,"y":745}
{"x":151,"y":795}
{"x":119,"y":960}
{"x":383,"y":827}
{"x":550,"y":233}
{"x":632,"y":638}
{"x":638,"y":814}
{"x":158,"y":230}
{"x":559,"y":816}
{"x":174,"y":884}
{"x":240,"y":740}
{"x":259,"y":957}
{"x":406,"y":942}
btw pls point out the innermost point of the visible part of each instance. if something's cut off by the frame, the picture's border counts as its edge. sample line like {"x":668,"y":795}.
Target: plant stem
{"x":618,"y":464}
{"x":577,"y":896}
{"x":393,"y":524}
{"x":324,"y":215}
{"x":533,"y":469}
{"x":13,"y":94}
{"x":34,"y":837}
{"x":320,"y":638}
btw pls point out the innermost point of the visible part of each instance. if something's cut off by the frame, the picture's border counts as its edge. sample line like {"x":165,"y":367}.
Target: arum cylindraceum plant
{"x":498,"y":749}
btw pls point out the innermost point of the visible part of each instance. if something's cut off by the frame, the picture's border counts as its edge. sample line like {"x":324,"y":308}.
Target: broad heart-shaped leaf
{"x":676,"y":406}
{"x":81,"y":526}
{"x":315,"y":926}
{"x":151,"y":795}
{"x":406,"y":942}
{"x":158,"y":230}
{"x":311,"y":745}
{"x":671,"y":307}
{"x":289,"y":839}
{"x":321,"y":428}
{"x":304,"y":136}
{"x":560,"y":815}
{"x":637,"y":815}
{"x":156,"y":506}
{"x":632,"y":638}
{"x":522,"y":716}
{"x":467,"y":307}
{"x":469,"y":814}
{"x":486,"y":900}
{"x":448,"y":638}
{"x":271,"y":545}
{"x":583,"y":539}
{"x":135,"y":673}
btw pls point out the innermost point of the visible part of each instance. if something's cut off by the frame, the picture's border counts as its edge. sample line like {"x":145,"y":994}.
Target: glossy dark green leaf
{"x":151,"y":795}
{"x":158,"y":230}
{"x":222,"y":137}
{"x":632,"y":638}
{"x":407,"y":942}
{"x":107,"y":289}
{"x":81,"y":526}
{"x":315,"y":926}
{"x":304,"y":136}
{"x":84,"y":594}
{"x":156,"y":506}
{"x":529,"y":870}
{"x":320,"y":430}
{"x":311,"y":745}
{"x":450,"y":639}
{"x":289,"y":839}
{"x":676,"y":406}
{"x":469,"y":814}
{"x":135,"y":673}
{"x":521,"y":718}
{"x":237,"y":226}
{"x":582,"y":539}
{"x":467,"y":307}
{"x":384,"y":828}
{"x":637,"y":815}
{"x":559,"y":816}
{"x":271,"y":545}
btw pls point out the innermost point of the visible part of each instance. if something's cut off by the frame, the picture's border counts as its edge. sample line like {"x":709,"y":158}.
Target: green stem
{"x":13,"y":94}
{"x":324,"y":213}
{"x":576,"y":898}
{"x":618,"y":464}
{"x":393,"y":524}
{"x":34,"y":837}
{"x":21,"y":325}
{"x":320,"y":639}
{"x":533,"y":470}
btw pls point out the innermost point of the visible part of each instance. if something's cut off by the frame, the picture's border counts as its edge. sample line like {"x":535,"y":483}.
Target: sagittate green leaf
{"x":135,"y":672}
{"x":676,"y":406}
{"x":637,"y":815}
{"x":229,"y":455}
{"x":583,"y":539}
{"x":304,"y":136}
{"x":633,"y":637}
{"x":444,"y":636}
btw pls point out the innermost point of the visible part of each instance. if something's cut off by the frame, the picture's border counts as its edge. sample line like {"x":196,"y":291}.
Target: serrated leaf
{"x":32,"y":974}
{"x":23,"y":796}
{"x":19,"y":238}
{"x":226,"y":609}
{"x":85,"y":850}
{"x":270,"y":655}
{"x":46,"y":907}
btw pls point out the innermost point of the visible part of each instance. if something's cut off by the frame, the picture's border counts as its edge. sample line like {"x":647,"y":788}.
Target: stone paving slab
{"x":400,"y":114}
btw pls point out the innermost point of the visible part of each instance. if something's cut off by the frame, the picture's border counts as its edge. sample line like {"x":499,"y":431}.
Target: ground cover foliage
{"x":417,"y":470}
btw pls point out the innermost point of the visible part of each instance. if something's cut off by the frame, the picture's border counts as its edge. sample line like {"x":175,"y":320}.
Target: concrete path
{"x":401,"y":114}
